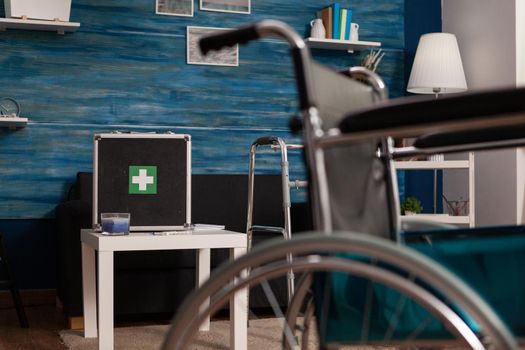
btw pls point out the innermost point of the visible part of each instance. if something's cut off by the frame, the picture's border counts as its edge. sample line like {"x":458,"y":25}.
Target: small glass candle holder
{"x":115,"y":224}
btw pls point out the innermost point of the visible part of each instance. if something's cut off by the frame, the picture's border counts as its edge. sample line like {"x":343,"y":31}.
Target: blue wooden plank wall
{"x":125,"y":69}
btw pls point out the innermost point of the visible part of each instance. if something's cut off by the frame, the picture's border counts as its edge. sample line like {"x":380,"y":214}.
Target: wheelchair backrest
{"x":360,"y":184}
{"x":337,"y":94}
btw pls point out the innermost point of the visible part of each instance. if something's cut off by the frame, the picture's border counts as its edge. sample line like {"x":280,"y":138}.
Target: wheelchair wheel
{"x":396,"y":297}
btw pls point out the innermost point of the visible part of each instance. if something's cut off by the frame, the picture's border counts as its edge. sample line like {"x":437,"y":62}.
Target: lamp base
{"x":435,"y":158}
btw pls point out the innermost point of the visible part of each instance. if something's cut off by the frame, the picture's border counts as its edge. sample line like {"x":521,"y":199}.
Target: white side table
{"x":203,"y":241}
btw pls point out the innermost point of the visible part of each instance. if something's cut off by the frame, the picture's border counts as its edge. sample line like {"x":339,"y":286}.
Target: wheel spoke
{"x":368,"y":308}
{"x":399,"y":310}
{"x":422,"y":326}
{"x":323,"y":313}
{"x":278,"y":313}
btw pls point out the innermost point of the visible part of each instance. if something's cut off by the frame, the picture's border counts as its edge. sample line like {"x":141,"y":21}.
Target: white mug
{"x":318,"y":30}
{"x":354,"y":32}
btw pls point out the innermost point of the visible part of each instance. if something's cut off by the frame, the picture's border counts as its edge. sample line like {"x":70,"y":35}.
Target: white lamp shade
{"x":437,"y":67}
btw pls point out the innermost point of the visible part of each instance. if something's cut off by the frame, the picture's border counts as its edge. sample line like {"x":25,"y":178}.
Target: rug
{"x":263,"y":334}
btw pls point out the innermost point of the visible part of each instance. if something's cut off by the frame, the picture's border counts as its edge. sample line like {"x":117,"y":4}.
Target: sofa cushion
{"x":223,"y":199}
{"x":71,"y":216}
{"x":84,"y":187}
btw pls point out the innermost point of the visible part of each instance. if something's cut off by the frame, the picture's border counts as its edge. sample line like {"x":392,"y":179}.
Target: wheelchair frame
{"x":270,"y":258}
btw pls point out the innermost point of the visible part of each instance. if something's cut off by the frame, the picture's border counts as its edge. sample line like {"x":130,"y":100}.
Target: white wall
{"x":520,"y":41}
{"x":486,"y":33}
{"x":487,"y":36}
{"x":520,"y":186}
{"x":520,"y":75}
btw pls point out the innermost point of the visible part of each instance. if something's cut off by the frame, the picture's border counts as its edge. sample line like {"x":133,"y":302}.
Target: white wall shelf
{"x":425,"y":164}
{"x":13,"y":122}
{"x":444,"y":164}
{"x":35,"y":24}
{"x":333,"y":44}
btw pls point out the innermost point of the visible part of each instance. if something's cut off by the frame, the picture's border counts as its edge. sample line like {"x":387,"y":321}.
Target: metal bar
{"x":372,"y":78}
{"x":298,"y":184}
{"x":251,"y":178}
{"x":288,"y":146}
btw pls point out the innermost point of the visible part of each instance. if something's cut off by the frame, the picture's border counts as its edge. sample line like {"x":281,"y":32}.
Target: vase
{"x":317,"y":30}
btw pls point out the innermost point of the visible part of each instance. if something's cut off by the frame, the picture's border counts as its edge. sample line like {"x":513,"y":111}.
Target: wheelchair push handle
{"x":241,"y":35}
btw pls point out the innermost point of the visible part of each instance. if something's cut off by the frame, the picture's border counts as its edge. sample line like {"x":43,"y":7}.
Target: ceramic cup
{"x":318,"y":30}
{"x":354,"y":32}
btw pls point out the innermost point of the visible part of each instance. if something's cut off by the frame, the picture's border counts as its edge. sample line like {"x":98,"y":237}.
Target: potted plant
{"x":411,"y":206}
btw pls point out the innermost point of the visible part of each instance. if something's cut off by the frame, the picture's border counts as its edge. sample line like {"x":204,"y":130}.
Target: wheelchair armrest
{"x":424,"y":225}
{"x":414,"y":116}
{"x":458,"y":138}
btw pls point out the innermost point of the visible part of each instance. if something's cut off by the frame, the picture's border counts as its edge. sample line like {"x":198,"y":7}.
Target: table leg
{"x":239,"y":311}
{"x":89,"y":291}
{"x":105,"y":300}
{"x":203,"y":273}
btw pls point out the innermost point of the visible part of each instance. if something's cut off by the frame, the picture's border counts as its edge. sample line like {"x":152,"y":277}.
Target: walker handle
{"x":266,"y":140}
{"x":233,"y":37}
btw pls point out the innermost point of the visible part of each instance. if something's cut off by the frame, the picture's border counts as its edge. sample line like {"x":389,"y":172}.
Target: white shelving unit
{"x":441,"y":218}
{"x":35,"y":24}
{"x":13,"y":122}
{"x":445,"y":164}
{"x":333,"y":44}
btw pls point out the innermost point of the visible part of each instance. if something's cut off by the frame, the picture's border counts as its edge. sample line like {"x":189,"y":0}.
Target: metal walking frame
{"x":277,"y":144}
{"x":347,"y":132}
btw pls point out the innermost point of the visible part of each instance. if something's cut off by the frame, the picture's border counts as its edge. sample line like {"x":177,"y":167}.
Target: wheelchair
{"x":362,"y":281}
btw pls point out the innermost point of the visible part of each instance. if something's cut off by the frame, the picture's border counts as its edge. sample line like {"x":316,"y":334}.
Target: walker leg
{"x":276,"y":143}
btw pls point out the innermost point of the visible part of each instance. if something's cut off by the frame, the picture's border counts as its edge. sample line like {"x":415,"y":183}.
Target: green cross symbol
{"x":142,"y":179}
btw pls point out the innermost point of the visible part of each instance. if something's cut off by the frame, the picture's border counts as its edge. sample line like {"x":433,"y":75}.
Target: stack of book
{"x":337,"y":21}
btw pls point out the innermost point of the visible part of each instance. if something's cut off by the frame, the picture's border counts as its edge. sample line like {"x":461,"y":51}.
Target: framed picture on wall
{"x":235,"y":6}
{"x":228,"y":56}
{"x":174,"y":7}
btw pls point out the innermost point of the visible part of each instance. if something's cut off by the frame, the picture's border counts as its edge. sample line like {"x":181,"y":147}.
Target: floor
{"x":45,"y":322}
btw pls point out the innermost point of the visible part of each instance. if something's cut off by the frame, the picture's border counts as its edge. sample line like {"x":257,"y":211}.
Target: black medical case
{"x":145,"y":174}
